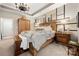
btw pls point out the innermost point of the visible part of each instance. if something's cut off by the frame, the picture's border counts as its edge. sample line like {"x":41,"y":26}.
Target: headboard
{"x":44,"y":24}
{"x":23,"y":24}
{"x":52,"y":24}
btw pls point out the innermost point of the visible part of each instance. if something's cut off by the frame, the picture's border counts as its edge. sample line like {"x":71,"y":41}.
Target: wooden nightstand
{"x":63,"y":37}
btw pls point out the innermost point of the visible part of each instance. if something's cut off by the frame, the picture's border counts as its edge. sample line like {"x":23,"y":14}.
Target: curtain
{"x":7,"y":28}
{"x":0,"y":28}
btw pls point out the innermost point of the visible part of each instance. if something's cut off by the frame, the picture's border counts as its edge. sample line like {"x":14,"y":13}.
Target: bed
{"x":39,"y":38}
{"x":36,"y":38}
{"x":53,"y":26}
{"x":41,"y":41}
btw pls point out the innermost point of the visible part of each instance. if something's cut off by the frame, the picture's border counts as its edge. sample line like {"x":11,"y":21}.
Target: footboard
{"x":33,"y":51}
{"x":47,"y":43}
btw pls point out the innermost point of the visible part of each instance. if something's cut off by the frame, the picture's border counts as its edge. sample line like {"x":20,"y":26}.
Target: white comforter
{"x":38,"y":38}
{"x":26,"y":38}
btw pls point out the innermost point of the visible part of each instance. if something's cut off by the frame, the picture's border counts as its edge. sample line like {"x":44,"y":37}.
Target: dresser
{"x":63,"y":37}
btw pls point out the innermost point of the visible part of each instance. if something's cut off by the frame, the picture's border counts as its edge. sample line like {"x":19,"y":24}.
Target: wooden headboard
{"x":52,"y":24}
{"x":23,"y":24}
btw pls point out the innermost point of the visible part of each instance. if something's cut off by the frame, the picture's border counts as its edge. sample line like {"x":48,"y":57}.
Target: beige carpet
{"x":7,"y":47}
{"x":51,"y":50}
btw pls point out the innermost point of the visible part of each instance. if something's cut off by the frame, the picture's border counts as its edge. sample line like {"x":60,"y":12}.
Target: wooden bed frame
{"x":32,"y":50}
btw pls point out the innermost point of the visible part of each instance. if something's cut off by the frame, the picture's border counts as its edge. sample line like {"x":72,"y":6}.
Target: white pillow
{"x":39,"y":28}
{"x":49,"y":29}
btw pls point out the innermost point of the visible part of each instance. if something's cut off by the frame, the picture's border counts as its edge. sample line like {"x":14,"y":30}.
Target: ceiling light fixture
{"x":22,"y":6}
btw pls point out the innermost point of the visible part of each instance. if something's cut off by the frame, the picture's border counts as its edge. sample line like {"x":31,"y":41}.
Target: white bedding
{"x":38,"y":38}
{"x":26,"y":38}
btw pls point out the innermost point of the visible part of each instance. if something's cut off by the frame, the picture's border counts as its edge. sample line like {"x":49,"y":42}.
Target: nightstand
{"x":63,"y":37}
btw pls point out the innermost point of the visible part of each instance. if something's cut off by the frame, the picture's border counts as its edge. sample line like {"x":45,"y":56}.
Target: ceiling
{"x":34,"y":7}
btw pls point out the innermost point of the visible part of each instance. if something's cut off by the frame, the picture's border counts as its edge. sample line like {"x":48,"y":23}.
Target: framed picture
{"x":44,"y":18}
{"x":53,"y":16}
{"x":49,"y":18}
{"x":60,"y":10}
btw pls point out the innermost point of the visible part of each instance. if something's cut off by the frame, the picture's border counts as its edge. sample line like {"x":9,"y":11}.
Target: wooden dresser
{"x":63,"y":37}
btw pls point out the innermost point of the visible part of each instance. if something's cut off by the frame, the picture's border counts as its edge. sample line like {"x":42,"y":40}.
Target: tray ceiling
{"x":34,"y":7}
